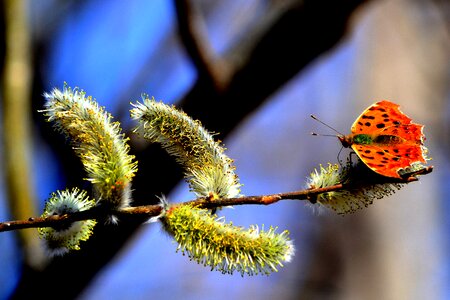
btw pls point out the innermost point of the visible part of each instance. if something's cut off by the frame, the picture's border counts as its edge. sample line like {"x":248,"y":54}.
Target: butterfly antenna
{"x":320,"y":134}
{"x":325,"y":124}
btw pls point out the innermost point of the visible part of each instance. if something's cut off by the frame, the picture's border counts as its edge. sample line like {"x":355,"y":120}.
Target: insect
{"x":386,"y":140}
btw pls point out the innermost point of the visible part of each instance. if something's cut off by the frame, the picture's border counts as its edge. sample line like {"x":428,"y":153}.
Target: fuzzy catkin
{"x":209,"y":172}
{"x":362,"y":187}
{"x":97,"y":140}
{"x":59,"y":241}
{"x":210,"y":241}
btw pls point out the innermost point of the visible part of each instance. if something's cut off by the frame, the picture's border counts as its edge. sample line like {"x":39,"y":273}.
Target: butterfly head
{"x":346,"y":140}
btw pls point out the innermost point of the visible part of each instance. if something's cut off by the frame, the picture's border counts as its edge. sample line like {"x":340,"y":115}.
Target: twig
{"x":149,"y":211}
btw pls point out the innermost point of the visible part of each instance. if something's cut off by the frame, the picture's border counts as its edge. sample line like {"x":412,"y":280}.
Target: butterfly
{"x":387,"y":141}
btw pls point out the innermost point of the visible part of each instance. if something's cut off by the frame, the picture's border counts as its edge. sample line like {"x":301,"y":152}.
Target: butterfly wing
{"x":390,"y":160}
{"x":384,"y":118}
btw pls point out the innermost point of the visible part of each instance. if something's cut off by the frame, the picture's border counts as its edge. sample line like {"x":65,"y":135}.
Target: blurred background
{"x":251,"y":71}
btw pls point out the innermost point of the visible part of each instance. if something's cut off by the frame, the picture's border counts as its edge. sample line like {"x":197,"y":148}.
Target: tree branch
{"x":149,"y":211}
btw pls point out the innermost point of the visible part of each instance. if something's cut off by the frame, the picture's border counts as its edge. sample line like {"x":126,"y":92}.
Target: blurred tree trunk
{"x":16,"y":94}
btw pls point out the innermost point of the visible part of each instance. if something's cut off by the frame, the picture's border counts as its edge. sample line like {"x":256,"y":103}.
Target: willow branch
{"x":307,"y":194}
{"x":149,"y":211}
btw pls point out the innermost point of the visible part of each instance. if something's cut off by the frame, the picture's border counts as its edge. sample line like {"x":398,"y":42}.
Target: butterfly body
{"x":367,"y":139}
{"x":386,"y":140}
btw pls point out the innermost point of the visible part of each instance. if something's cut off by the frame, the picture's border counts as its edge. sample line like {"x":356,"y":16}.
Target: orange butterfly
{"x":386,"y":140}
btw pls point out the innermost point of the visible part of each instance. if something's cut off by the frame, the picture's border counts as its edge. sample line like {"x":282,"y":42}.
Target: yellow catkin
{"x":362,"y":187}
{"x":59,"y":241}
{"x":209,"y":172}
{"x":97,"y":140}
{"x":210,"y":241}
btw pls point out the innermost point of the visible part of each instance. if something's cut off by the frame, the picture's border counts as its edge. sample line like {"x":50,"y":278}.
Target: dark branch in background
{"x":193,"y":35}
{"x":220,"y":70}
{"x":297,"y":36}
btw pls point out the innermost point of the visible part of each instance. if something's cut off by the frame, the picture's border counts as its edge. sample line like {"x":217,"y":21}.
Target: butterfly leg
{"x":339,"y":159}
{"x":350,"y":157}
